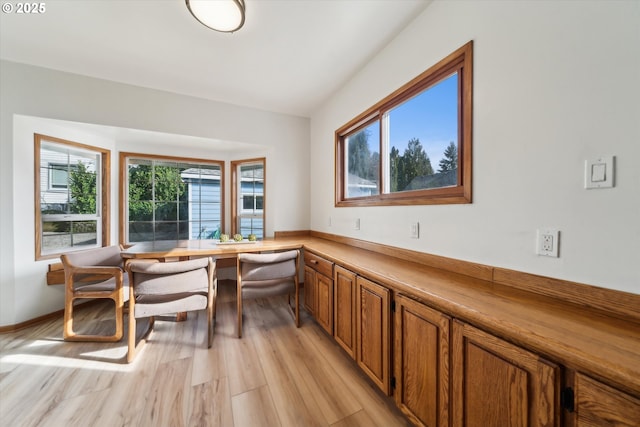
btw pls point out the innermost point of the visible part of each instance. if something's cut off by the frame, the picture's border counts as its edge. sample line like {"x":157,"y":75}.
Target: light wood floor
{"x":276,"y":375}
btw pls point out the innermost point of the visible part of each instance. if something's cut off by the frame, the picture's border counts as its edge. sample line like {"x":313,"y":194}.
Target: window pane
{"x":247,"y":202}
{"x":68,"y":180}
{"x":59,"y":176}
{"x":251,"y":186}
{"x":250,"y":195}
{"x":205,"y":230}
{"x":140,"y":210}
{"x":58,"y":236}
{"x":166,"y":211}
{"x":181,"y":200}
{"x":140,"y":231}
{"x":252,"y":226}
{"x":69,"y":196}
{"x":167,"y":184}
{"x":363,"y":162}
{"x":423,"y":139}
{"x":166,"y":231}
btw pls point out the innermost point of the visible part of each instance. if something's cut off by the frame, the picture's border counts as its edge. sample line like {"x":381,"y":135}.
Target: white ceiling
{"x":289,"y":56}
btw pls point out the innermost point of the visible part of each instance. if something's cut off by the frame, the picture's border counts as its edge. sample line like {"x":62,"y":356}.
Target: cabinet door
{"x":421,"y":362}
{"x":324,"y":302}
{"x":344,"y":309}
{"x":496,"y":383}
{"x":309,"y":290}
{"x":372,"y":337}
{"x":597,"y":404}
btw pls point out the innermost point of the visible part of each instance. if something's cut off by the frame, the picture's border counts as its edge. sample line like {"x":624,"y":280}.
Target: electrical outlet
{"x":415,"y":230}
{"x":329,"y":222}
{"x":548,"y":242}
{"x":357,"y":224}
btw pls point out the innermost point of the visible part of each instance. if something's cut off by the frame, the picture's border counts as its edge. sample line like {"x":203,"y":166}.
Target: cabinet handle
{"x":313,"y":261}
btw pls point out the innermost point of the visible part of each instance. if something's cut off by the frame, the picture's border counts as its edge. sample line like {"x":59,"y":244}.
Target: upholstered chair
{"x":90,"y":274}
{"x":161,"y":288}
{"x":266,"y":275}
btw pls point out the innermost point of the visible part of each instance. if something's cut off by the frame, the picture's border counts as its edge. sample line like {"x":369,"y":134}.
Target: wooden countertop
{"x":573,"y":335}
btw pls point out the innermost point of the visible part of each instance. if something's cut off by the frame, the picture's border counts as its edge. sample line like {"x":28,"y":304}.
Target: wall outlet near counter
{"x":548,"y":242}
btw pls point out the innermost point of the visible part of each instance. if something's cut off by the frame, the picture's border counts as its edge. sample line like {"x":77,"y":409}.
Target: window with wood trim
{"x":248,"y":197}
{"x":170,"y":198}
{"x":71,"y":196}
{"x":414,"y":146}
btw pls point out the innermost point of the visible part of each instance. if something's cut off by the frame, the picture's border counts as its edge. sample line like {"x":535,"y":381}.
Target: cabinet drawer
{"x":319,"y":264}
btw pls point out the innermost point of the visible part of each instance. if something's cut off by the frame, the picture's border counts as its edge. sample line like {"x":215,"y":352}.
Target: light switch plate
{"x":414,"y":230}
{"x":599,"y":173}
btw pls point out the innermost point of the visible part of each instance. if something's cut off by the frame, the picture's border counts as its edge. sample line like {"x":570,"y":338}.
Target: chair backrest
{"x":268,"y":267}
{"x":106,"y":256}
{"x":163,"y":278}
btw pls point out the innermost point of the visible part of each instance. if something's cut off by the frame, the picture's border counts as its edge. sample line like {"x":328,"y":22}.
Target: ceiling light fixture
{"x":225,"y":16}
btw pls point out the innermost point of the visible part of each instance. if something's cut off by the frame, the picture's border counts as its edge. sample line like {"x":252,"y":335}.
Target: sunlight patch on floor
{"x":111,"y":362}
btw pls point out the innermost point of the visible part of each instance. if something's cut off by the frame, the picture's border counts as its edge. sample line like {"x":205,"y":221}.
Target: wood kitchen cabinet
{"x":421,"y":362}
{"x":496,"y":383}
{"x":344,"y":309}
{"x":373,"y":310}
{"x":324,"y":302}
{"x":309,"y":290}
{"x":318,"y":283}
{"x":597,"y":404}
{"x":458,"y":350}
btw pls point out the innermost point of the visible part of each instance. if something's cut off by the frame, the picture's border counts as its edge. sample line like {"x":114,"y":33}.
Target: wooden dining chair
{"x":160,"y":288}
{"x":266,"y":275}
{"x":93,"y":274}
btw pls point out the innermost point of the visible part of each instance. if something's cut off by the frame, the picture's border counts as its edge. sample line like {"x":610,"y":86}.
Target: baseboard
{"x":40,"y":319}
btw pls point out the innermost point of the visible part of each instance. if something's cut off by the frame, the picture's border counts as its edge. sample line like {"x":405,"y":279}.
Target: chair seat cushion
{"x":169,"y":283}
{"x":154,"y":305}
{"x":108,"y":285}
{"x":260,"y":290}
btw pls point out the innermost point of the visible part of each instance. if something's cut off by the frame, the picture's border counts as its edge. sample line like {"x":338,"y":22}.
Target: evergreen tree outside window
{"x":363,"y":161}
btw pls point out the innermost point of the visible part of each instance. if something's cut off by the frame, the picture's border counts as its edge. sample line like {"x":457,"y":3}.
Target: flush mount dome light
{"x":226,"y":16}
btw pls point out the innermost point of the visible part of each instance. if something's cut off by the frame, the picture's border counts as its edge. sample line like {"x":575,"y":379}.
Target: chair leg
{"x":67,"y":331}
{"x":211,"y":313}
{"x":119,"y":318}
{"x":239,"y":315}
{"x":297,"y":307}
{"x":134,"y":348}
{"x":131,"y":350}
{"x":295,"y":311}
{"x":210,"y":325}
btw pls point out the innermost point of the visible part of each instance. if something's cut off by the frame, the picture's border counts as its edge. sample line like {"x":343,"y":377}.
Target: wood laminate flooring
{"x":276,"y":375}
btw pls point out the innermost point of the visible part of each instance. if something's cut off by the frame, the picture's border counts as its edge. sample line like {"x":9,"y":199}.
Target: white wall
{"x":555,"y":83}
{"x":45,"y":101}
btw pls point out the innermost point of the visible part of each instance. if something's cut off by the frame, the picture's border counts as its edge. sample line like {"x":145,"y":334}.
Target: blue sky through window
{"x":431,"y":116}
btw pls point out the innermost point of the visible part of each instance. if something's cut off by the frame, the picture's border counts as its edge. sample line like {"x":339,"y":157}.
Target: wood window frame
{"x":234,"y":193}
{"x":461,"y":61}
{"x":105,"y":193}
{"x":123,"y":184}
